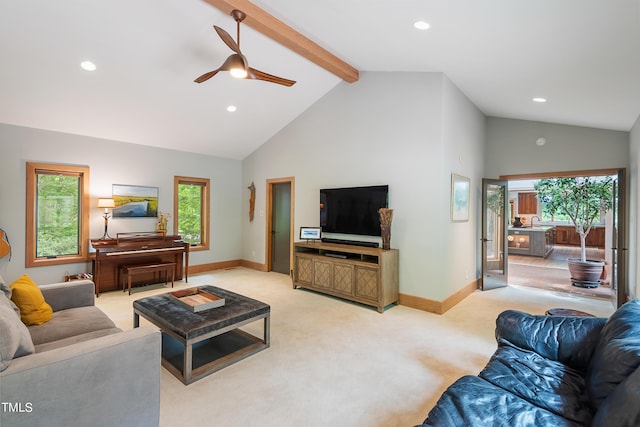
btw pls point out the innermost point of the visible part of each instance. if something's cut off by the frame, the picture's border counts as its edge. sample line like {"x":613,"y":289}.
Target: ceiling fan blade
{"x":206,"y":76}
{"x":261,"y":75}
{"x":227,"y":39}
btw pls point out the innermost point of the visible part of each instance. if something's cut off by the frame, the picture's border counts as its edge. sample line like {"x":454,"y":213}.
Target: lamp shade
{"x":106,"y":203}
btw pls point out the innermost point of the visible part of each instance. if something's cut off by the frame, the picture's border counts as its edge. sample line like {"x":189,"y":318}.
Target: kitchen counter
{"x":536,"y":228}
{"x":533,"y":241}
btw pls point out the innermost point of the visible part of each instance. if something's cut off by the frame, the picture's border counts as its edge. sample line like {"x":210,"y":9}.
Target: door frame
{"x":269,"y":220}
{"x":621,"y":247}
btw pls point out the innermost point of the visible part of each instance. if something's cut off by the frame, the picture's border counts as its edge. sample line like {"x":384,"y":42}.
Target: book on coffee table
{"x":197,"y":300}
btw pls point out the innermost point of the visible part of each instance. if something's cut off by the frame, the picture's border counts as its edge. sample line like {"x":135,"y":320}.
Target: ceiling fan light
{"x":238,"y":73}
{"x":236,"y":66}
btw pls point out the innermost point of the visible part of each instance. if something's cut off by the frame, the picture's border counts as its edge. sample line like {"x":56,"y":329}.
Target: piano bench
{"x":131,"y":271}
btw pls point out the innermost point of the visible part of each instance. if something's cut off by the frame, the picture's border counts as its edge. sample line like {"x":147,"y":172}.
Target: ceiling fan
{"x":237,"y":63}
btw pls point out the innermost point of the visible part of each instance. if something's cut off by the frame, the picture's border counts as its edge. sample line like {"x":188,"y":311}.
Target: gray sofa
{"x":81,"y":369}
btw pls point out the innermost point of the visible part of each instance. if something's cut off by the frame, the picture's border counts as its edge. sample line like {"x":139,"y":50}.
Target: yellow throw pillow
{"x":27,"y":296}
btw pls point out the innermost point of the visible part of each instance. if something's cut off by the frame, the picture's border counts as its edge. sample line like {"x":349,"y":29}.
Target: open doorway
{"x":279,"y":254}
{"x":539,"y":245}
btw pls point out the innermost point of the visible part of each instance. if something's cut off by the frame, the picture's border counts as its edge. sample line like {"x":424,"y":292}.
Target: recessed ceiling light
{"x":88,"y":65}
{"x":231,"y":108}
{"x":540,"y":100}
{"x":421,"y":25}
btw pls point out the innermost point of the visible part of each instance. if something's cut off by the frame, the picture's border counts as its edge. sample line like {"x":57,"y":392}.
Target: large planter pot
{"x":585,"y":274}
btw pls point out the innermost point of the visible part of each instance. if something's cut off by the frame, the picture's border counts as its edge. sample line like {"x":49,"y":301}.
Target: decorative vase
{"x":386,"y":216}
{"x":517,"y":222}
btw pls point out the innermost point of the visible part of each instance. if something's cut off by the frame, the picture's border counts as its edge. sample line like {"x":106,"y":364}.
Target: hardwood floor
{"x":552,"y":273}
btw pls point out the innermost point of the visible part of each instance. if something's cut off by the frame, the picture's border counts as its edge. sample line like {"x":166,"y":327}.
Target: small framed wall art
{"x":460,"y":191}
{"x":134,"y":201}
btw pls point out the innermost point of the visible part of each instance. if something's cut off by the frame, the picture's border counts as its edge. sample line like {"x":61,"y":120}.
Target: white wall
{"x":407,"y":130}
{"x":110,"y":163}
{"x":634,"y":204}
{"x":464,"y":150}
{"x":511,"y":148}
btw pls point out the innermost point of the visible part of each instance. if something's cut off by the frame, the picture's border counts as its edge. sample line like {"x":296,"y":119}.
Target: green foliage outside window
{"x":57,"y":222}
{"x":190,"y":213}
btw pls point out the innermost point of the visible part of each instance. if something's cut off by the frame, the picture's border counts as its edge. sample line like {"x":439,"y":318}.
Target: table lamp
{"x":106,"y":204}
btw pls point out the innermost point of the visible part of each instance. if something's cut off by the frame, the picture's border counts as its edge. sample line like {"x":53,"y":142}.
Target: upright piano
{"x":136,"y":249}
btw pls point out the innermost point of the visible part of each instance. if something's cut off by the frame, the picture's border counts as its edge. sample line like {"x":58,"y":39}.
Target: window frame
{"x":205,"y":184}
{"x":82,"y":172}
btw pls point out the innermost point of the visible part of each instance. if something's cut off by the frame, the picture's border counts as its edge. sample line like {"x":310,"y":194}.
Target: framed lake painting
{"x":134,"y":201}
{"x":460,"y":190}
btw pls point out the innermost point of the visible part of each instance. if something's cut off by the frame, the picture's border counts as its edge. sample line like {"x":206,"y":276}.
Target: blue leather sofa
{"x":552,"y":371}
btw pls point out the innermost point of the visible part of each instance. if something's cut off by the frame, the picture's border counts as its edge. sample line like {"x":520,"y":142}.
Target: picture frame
{"x":460,"y":193}
{"x":310,"y":233}
{"x":134,"y":201}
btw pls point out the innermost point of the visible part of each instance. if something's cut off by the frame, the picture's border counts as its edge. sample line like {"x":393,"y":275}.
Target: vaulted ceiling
{"x":583,"y":56}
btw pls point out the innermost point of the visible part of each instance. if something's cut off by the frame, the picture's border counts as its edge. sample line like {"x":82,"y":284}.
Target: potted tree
{"x":582,"y":200}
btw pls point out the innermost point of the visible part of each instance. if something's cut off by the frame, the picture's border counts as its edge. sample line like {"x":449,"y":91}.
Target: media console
{"x":362,"y":274}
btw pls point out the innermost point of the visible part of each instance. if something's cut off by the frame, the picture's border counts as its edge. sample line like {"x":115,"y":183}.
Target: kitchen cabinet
{"x":527,"y":203}
{"x":566,"y":235}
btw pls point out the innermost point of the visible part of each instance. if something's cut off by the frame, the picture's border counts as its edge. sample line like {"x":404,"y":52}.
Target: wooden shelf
{"x":362,"y":274}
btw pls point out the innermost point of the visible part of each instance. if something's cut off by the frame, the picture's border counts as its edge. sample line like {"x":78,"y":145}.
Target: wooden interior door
{"x":280,"y":196}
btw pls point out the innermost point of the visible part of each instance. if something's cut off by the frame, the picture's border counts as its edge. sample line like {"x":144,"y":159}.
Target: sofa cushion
{"x":542,"y":382}
{"x":69,"y":323}
{"x":617,"y":354}
{"x":34,"y":310}
{"x":570,"y":340}
{"x":76,"y":339}
{"x":472,"y":401}
{"x":621,"y":407}
{"x":6,"y":291}
{"x":15,"y":340}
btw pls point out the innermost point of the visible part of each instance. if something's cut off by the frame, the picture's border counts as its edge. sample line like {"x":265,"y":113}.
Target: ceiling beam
{"x":278,"y":31}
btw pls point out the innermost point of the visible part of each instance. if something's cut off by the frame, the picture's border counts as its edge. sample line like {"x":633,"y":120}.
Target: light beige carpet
{"x":336,"y":363}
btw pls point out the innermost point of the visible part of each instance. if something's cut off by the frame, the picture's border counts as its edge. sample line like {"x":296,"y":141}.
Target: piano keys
{"x":136,"y":249}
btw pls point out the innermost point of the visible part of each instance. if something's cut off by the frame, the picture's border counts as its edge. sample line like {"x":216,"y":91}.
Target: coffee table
{"x":195,"y":345}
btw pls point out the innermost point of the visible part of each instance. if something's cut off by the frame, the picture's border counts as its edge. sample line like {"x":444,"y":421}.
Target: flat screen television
{"x":353,"y":210}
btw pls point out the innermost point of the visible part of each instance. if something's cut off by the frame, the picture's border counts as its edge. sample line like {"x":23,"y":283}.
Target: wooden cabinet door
{"x":322,"y":274}
{"x":527,"y":203}
{"x":596,"y":237}
{"x":367,"y":282}
{"x":563,"y":235}
{"x":343,"y":278}
{"x":304,"y":270}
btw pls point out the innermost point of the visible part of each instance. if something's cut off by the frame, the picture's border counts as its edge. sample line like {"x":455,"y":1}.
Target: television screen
{"x":353,"y":210}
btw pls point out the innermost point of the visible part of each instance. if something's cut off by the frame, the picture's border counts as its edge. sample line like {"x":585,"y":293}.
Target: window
{"x":191,"y":207}
{"x":57,"y":214}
